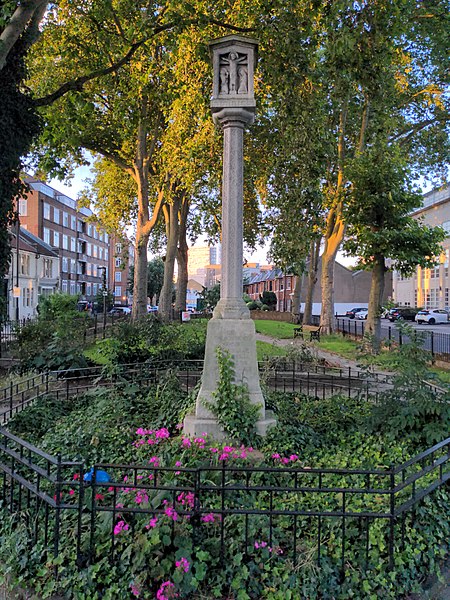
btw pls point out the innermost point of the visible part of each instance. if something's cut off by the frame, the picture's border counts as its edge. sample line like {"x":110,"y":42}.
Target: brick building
{"x":83,"y":248}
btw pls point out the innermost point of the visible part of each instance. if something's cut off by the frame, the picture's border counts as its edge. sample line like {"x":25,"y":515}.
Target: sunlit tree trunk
{"x":182,"y":259}
{"x":312,"y":280}
{"x":172,"y":231}
{"x":296,"y":304}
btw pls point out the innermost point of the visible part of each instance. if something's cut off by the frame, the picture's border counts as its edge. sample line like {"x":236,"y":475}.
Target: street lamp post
{"x":105,"y":294}
{"x":17,"y":264}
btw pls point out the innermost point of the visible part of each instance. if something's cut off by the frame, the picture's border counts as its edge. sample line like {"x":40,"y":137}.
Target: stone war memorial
{"x":231,"y":329}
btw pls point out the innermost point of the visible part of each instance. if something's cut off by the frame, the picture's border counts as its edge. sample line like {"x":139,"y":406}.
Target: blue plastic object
{"x":100,"y":476}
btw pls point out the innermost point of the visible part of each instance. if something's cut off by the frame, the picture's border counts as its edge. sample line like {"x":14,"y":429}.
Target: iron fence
{"x":277,"y":375}
{"x":436,"y":343}
{"x":294,"y":511}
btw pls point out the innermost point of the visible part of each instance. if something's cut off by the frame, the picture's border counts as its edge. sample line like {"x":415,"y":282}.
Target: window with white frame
{"x":72,"y":288}
{"x":95,"y":288}
{"x":47,"y":211}
{"x":446,"y":227}
{"x":100,"y":252}
{"x":106,"y":253}
{"x":89,"y":230}
{"x":73,"y":265}
{"x":73,"y":222}
{"x":106,"y":238}
{"x":288,"y":286}
{"x":64,"y":267}
{"x":56,"y":239}
{"x":65,"y":242}
{"x":117,"y":291}
{"x":47,"y":235}
{"x":48,"y":268}
{"x":23,"y":208}
{"x":64,"y":286}
{"x":95,"y":231}
{"x":118,"y":248}
{"x":88,"y":269}
{"x":94,"y":251}
{"x":24,"y":264}
{"x":73,"y":244}
{"x":89,"y":249}
{"x":118,"y":276}
{"x":88,"y":289}
{"x":118,"y":262}
{"x":56,"y":215}
{"x":65,"y":219}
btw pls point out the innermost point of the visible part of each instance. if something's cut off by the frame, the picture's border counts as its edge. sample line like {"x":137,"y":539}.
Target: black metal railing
{"x":280,"y":375}
{"x":291,"y":510}
{"x":435,"y":342}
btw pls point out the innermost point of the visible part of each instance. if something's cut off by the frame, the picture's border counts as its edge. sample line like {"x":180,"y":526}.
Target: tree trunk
{"x":139,"y":308}
{"x":182,"y":259}
{"x":172,"y":229}
{"x":312,"y":280}
{"x":335,"y":224}
{"x":296,"y":304}
{"x":373,"y":323}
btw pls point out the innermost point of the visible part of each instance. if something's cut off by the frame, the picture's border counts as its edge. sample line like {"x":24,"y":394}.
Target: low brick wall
{"x":271,"y":315}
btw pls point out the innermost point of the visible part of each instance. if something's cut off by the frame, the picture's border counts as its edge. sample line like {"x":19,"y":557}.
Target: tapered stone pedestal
{"x":238,"y":337}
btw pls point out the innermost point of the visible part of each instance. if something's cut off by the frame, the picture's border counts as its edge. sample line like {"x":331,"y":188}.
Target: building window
{"x":48,"y":268}
{"x":23,"y":208}
{"x":434,"y":272}
{"x":80,"y":226}
{"x":89,"y":249}
{"x":47,"y":235}
{"x":95,"y":233}
{"x":72,"y":288}
{"x":94,"y":288}
{"x":288,"y":286}
{"x":64,"y":286}
{"x":118,"y":276}
{"x":73,"y":244}
{"x":47,"y":211}
{"x":73,"y":222}
{"x":281,"y":287}
{"x":106,"y":238}
{"x":24,"y":264}
{"x":56,"y":215}
{"x":118,"y":262}
{"x":65,"y":242}
{"x":64,"y":267}
{"x":118,"y":248}
{"x":65,"y":219}
{"x":88,"y":289}
{"x":89,"y":230}
{"x":94,"y":251}
{"x":56,"y":239}
{"x":117,"y":291}
{"x":100,"y":236}
{"x":89,"y":269}
{"x":73,"y":265}
{"x":100,"y":252}
{"x":106,"y":253}
{"x":446,"y":227}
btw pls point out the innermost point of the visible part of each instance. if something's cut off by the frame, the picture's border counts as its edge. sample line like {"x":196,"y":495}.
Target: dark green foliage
{"x":231,"y":403}
{"x":56,"y":339}
{"x":19,"y":125}
{"x":209,"y":298}
{"x":149,"y":339}
{"x":269,"y":299}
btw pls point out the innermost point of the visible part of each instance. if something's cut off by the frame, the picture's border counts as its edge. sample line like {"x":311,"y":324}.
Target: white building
{"x":33,"y":272}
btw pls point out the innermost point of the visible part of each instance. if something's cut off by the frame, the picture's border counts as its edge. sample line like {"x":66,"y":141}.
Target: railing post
{"x":391,"y":517}
{"x":57,"y":509}
{"x":10,"y":399}
{"x":432,"y":344}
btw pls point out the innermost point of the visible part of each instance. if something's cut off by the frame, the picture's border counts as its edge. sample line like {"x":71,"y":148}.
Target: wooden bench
{"x":315,"y":335}
{"x":298,"y":331}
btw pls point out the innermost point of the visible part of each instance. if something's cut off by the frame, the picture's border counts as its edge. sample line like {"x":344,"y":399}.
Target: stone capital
{"x":232,"y":116}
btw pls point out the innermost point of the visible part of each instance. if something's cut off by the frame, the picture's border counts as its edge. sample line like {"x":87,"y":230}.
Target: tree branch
{"x":78,"y":83}
{"x":147,"y":228}
{"x":109,"y":156}
{"x":17,"y":25}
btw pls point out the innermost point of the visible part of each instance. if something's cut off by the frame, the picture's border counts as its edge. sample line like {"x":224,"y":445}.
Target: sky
{"x":74,"y":187}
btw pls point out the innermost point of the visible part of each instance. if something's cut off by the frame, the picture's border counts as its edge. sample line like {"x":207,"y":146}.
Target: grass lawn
{"x":276,"y":329}
{"x":267,"y":350}
{"x":340,"y":345}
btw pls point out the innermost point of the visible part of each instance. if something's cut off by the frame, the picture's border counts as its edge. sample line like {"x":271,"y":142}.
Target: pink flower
{"x":166,"y":591}
{"x":178,"y":463}
{"x":135,"y":590}
{"x":71,"y":492}
{"x":293,"y":457}
{"x":214,"y":450}
{"x":120,"y":526}
{"x":154,"y":461}
{"x":186,"y":442}
{"x":183,"y":564}
{"x":99,"y":497}
{"x":208,"y":518}
{"x":172,"y":513}
{"x":162,"y":433}
{"x":179,"y":426}
{"x":152,"y":523}
{"x":275,"y":455}
{"x":285,"y":461}
{"x":76,"y":476}
{"x":111,"y":488}
{"x":141,"y":498}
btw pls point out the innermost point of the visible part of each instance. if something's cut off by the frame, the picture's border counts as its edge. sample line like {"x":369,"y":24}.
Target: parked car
{"x":152,"y":309}
{"x":404,"y":313}
{"x":432,"y":316}
{"x":120,"y":310}
{"x":351,"y":313}
{"x":362,"y":314}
